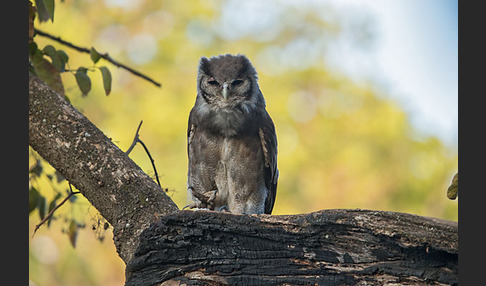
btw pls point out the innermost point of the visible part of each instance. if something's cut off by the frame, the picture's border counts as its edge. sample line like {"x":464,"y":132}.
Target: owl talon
{"x":190,"y":206}
{"x":212,"y":197}
{"x":224,"y":209}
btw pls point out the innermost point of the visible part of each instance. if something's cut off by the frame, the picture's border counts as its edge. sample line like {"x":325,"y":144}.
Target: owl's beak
{"x":225,"y":90}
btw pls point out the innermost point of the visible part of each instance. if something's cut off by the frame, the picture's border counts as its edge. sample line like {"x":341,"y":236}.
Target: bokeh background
{"x":363,"y":95}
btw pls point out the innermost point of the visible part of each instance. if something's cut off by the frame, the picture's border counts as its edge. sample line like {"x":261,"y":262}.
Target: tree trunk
{"x":124,"y":195}
{"x":331,"y":247}
{"x":162,"y":245}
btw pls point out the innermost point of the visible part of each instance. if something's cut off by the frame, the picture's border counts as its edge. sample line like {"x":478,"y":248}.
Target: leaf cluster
{"x":46,"y":207}
{"x":48,"y":63}
{"x":38,"y":201}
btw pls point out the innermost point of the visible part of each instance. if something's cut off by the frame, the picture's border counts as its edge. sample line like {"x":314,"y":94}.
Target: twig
{"x":104,"y":56}
{"x":152,"y":161}
{"x":136,"y":140}
{"x":48,"y":216}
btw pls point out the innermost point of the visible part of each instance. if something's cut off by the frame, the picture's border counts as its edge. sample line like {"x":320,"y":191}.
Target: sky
{"x":415,"y":56}
{"x":408,"y":48}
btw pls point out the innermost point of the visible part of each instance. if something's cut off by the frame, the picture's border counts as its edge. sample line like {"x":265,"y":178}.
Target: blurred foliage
{"x":453,"y":189}
{"x":342,"y":144}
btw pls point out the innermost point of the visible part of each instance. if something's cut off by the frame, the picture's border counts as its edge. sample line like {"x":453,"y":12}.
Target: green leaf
{"x":33,"y":49}
{"x":73,"y":232}
{"x":82,"y":69}
{"x":37,"y":169}
{"x":106,"y":75}
{"x":33,"y":199}
{"x":53,"y":204}
{"x":41,"y":10}
{"x":47,"y":72}
{"x":45,"y":9}
{"x":62,"y":54}
{"x":50,"y":5}
{"x":95,"y":56}
{"x":83,"y":80}
{"x":41,"y":205}
{"x":59,"y":177}
{"x":58,"y":59}
{"x":49,"y":50}
{"x":453,"y":188}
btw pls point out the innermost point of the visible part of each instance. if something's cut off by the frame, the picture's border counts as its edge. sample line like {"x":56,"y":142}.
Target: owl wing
{"x":268,"y":140}
{"x":197,"y":179}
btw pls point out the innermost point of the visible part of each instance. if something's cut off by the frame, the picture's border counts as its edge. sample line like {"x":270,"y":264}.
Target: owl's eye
{"x":212,"y":81}
{"x":237,"y":82}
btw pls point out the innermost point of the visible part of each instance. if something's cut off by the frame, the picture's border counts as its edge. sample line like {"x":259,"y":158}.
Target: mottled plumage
{"x":232,"y":145}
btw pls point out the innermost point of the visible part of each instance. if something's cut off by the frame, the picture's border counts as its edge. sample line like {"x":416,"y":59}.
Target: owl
{"x":231,"y":140}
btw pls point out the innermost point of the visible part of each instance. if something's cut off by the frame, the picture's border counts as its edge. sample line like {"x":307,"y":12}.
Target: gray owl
{"x":231,"y":140}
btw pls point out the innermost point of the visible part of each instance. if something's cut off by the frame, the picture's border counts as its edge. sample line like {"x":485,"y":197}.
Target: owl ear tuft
{"x":204,"y":65}
{"x":247,"y":67}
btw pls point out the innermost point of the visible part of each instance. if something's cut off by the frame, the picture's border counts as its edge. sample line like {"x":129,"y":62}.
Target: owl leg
{"x":202,"y":201}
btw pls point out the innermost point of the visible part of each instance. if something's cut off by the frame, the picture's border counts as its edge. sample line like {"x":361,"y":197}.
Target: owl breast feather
{"x":229,"y":122}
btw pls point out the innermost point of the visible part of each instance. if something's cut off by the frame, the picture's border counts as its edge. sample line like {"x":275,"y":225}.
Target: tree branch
{"x":329,"y":247}
{"x":104,"y":56}
{"x":136,"y":140}
{"x":115,"y":185}
{"x":48,"y":216}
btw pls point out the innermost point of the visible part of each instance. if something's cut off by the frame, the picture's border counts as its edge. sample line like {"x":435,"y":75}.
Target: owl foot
{"x":209,"y":202}
{"x":201,"y":201}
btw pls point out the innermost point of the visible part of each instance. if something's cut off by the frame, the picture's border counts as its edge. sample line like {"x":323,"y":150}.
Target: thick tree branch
{"x":124,"y":195}
{"x":104,"y":56}
{"x":331,"y":247}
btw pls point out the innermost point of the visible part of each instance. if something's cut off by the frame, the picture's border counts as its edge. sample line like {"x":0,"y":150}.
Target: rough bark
{"x":332,"y":247}
{"x":124,"y":195}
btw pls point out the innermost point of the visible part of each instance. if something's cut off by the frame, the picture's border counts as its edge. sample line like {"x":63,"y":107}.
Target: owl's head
{"x":229,"y":82}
